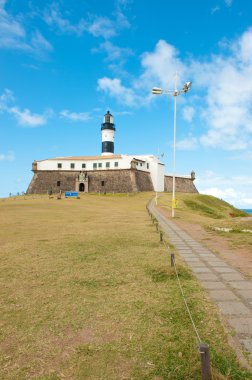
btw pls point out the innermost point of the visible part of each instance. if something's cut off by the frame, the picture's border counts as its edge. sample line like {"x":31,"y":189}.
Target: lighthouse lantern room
{"x":108,"y":133}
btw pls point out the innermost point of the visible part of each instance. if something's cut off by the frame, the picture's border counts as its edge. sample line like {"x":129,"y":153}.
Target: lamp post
{"x":174,"y":93}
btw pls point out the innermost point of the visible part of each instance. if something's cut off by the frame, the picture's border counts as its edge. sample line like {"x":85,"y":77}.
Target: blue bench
{"x":71,"y":194}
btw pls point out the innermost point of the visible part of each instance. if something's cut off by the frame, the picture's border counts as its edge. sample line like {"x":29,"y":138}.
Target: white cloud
{"x":102,"y":27}
{"x":115,"y":89}
{"x":188,"y":113}
{"x":228,"y":2}
{"x":74,"y":116}
{"x":53,"y":17}
{"x":215,"y":9}
{"x":222,"y":84}
{"x":212,"y":179}
{"x":6,"y":98}
{"x":13,"y":35}
{"x":11,"y":31}
{"x":113,"y":52}
{"x":233,"y":189}
{"x":247,"y":202}
{"x":225,"y":80}
{"x":97,"y":26}
{"x":39,"y":44}
{"x":227,"y":193}
{"x":189,"y":143}
{"x":26,"y":118}
{"x":237,"y":198}
{"x":160,"y":66}
{"x":7,"y":157}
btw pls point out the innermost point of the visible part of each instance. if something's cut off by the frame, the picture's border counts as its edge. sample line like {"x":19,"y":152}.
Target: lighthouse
{"x":108,"y":133}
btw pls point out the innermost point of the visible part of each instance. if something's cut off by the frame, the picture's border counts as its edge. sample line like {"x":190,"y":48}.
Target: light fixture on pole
{"x":174,"y":93}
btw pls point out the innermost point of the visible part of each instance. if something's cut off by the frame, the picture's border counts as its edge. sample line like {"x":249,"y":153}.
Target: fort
{"x":105,"y":173}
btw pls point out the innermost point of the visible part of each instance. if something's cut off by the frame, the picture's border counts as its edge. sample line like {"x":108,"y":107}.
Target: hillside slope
{"x":215,"y":223}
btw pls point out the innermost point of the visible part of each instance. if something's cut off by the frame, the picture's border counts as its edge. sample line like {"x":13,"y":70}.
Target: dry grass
{"x":87,"y":293}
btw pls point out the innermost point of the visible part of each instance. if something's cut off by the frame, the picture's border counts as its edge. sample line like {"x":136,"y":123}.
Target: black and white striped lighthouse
{"x":108,"y":133}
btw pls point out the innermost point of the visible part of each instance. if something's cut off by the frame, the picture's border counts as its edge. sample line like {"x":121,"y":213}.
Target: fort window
{"x":141,"y":164}
{"x":83,"y":166}
{"x":102,"y":183}
{"x":59,"y":166}
{"x":116,"y":164}
{"x":94,"y":165}
{"x":148,"y":166}
{"x":107,"y":164}
{"x":99,"y":165}
{"x":58,"y":183}
{"x":72,"y":166}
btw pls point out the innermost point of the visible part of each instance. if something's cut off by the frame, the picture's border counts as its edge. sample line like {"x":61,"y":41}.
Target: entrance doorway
{"x":81,"y":187}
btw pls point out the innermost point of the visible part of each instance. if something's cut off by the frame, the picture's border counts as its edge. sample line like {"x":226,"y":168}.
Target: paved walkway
{"x":231,"y":292}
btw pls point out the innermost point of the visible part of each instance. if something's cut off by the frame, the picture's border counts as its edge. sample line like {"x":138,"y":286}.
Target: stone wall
{"x":143,"y":181}
{"x":118,"y":181}
{"x":183,"y":185}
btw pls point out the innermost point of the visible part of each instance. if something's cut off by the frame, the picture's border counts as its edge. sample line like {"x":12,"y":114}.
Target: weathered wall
{"x":143,"y":181}
{"x":118,"y":181}
{"x":183,"y":185}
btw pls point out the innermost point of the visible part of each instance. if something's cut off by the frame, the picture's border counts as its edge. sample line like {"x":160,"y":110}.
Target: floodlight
{"x":156,"y":91}
{"x":186,"y":86}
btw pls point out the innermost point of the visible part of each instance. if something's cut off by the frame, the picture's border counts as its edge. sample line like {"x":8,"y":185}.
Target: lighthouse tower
{"x":108,"y":132}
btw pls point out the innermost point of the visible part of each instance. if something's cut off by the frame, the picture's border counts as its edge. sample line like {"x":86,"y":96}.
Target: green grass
{"x":212,"y":207}
{"x":87,"y":292}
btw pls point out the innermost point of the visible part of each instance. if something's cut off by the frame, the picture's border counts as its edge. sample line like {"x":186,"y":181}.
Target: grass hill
{"x":213,"y":214}
{"x":207,"y":205}
{"x":87,"y":293}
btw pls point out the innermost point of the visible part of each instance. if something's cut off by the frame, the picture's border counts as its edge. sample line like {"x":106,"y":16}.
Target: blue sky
{"x":63,"y":64}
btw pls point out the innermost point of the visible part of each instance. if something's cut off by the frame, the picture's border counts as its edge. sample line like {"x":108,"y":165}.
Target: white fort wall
{"x":146,"y":163}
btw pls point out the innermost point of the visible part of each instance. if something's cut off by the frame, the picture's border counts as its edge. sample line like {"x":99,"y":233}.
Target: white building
{"x":108,"y":172}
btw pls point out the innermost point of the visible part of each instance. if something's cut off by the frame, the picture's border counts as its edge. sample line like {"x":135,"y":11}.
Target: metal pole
{"x":174,"y":155}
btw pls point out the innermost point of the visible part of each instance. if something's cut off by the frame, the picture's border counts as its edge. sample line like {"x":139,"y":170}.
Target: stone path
{"x":231,"y":292}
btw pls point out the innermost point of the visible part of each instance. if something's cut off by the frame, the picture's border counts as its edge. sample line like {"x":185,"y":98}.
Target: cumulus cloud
{"x":74,"y":116}
{"x":115,"y":89}
{"x":157,"y":67}
{"x":161,"y":65}
{"x":222,"y":83}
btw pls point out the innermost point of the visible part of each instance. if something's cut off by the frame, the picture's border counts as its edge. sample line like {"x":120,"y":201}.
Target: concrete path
{"x":230,"y":291}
